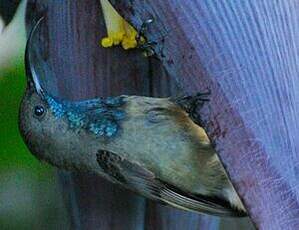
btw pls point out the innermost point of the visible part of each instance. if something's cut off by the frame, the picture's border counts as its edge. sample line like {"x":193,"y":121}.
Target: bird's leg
{"x":148,"y":48}
{"x":142,"y":30}
{"x":200,"y":98}
{"x":191,"y":103}
{"x":142,"y":43}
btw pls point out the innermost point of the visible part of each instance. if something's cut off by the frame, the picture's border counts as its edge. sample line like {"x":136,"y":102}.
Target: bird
{"x":152,"y":146}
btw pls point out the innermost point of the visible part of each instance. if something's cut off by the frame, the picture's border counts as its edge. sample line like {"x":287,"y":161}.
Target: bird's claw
{"x":142,"y":43}
{"x":203,"y":96}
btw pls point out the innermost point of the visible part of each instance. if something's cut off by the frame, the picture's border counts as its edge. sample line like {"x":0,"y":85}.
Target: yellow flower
{"x":119,"y":31}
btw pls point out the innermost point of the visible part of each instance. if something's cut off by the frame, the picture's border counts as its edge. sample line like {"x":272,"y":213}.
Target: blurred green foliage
{"x":30,"y":196}
{"x":13,"y":152}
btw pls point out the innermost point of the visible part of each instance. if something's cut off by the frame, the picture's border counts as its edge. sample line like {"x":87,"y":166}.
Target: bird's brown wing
{"x":135,"y":177}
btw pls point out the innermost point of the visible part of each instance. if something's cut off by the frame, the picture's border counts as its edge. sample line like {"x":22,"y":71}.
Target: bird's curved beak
{"x":31,"y":74}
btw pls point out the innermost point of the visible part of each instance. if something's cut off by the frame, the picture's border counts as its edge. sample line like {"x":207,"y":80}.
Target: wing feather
{"x":144,"y":181}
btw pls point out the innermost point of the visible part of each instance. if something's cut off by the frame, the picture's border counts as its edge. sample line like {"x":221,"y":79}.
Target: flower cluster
{"x":119,"y":31}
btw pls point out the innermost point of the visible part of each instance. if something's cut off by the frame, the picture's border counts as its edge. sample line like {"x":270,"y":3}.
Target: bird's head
{"x":42,"y":132}
{"x":51,"y":127}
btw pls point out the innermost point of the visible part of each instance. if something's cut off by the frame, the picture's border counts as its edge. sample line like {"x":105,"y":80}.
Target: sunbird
{"x":153,"y":146}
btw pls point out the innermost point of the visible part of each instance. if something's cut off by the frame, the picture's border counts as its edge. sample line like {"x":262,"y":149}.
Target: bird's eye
{"x":39,"y":110}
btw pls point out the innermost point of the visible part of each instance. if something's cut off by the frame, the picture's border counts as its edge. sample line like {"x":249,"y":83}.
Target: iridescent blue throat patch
{"x":99,"y":116}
